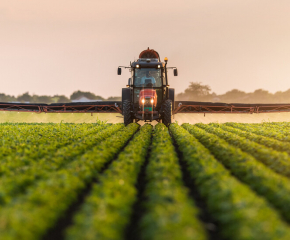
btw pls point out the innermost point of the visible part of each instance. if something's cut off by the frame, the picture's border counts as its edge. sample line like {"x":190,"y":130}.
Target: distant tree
{"x":282,"y":97}
{"x":42,"y":99}
{"x":261,"y":96}
{"x":25,"y":97}
{"x":62,"y":99}
{"x":196,"y":91}
{"x":234,"y":95}
{"x":7,"y":98}
{"x":88,"y":95}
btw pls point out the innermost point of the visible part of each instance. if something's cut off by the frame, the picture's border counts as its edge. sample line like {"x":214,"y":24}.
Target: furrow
{"x":106,"y":212}
{"x":30,"y":152}
{"x":16,"y":183}
{"x":277,"y":161}
{"x":274,"y":187}
{"x":230,"y":202}
{"x":211,"y":225}
{"x":259,"y":130}
{"x":169,"y":212}
{"x":266,"y":141}
{"x":58,"y":231}
{"x":32,"y":215}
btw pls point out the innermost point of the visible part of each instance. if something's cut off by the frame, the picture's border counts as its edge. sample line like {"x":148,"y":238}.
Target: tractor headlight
{"x":143,"y":100}
{"x":152,"y":100}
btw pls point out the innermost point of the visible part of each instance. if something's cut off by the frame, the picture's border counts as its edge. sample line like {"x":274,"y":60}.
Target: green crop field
{"x":105,"y":181}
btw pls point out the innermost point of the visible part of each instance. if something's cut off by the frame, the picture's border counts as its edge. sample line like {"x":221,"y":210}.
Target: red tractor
{"x":148,"y":96}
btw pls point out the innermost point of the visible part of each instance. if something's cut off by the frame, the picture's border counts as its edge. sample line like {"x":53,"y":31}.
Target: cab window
{"x":148,"y":77}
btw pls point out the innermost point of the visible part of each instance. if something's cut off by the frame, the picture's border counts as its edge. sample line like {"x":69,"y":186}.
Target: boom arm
{"x":79,"y":107}
{"x":116,"y":107}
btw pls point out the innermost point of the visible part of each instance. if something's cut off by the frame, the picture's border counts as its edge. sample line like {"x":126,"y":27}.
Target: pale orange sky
{"x":59,"y":46}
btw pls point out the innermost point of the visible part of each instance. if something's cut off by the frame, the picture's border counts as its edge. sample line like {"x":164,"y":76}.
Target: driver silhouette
{"x":148,"y":80}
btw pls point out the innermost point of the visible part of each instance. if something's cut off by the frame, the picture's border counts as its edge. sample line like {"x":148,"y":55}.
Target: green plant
{"x":169,"y":212}
{"x":110,"y":202}
{"x":274,"y":187}
{"x":238,"y":211}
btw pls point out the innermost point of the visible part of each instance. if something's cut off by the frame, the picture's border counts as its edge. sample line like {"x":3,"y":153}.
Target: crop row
{"x":276,"y":125}
{"x":266,"y":141}
{"x":16,"y":182}
{"x":111,"y":182}
{"x":273,"y":133}
{"x":274,"y":187}
{"x":30,"y":216}
{"x":169,"y":212}
{"x":23,"y":151}
{"x":278,"y":161}
{"x":17,"y":135}
{"x":238,"y":211}
{"x":109,"y":204}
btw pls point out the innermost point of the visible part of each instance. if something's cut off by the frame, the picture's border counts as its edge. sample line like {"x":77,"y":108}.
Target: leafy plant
{"x":279,"y":162}
{"x":239,"y":212}
{"x":169,"y":212}
{"x":266,"y":141}
{"x":31,"y":215}
{"x":109,"y":205}
{"x":274,"y":187}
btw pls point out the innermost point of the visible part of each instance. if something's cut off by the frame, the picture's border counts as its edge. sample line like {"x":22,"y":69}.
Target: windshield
{"x":148,"y":77}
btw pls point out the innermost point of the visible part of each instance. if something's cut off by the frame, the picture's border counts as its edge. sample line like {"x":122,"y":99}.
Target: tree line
{"x":203,"y":93}
{"x":28,"y":98}
{"x":196,"y":91}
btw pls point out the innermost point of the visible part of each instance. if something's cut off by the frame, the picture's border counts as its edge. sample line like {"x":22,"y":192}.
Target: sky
{"x":59,"y":46}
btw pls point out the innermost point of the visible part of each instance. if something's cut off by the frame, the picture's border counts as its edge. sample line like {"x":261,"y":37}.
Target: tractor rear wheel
{"x":167,"y":112}
{"x":127,"y":112}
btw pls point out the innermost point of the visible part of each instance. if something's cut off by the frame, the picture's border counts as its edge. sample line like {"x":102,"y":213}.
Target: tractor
{"x":147,"y":95}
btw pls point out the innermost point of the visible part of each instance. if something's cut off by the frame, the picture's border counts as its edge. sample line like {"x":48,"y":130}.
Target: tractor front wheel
{"x":167,"y":112}
{"x":127,"y":112}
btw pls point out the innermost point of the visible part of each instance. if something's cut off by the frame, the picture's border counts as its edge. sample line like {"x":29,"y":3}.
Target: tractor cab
{"x":147,"y":83}
{"x":148,"y":91}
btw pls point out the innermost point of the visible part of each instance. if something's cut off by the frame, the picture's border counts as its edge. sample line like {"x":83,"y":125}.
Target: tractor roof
{"x":147,"y":64}
{"x":148,"y":58}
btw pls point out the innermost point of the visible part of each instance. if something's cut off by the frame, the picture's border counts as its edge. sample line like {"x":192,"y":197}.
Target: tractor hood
{"x":147,"y":95}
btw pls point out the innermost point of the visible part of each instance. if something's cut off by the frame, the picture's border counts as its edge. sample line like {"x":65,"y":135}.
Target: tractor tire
{"x":167,"y":112}
{"x":127,"y":112}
